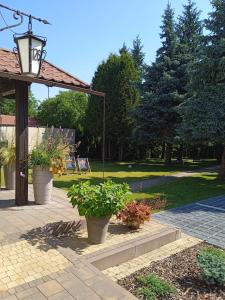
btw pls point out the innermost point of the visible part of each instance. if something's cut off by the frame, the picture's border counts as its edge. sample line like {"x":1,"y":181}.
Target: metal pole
{"x":103,"y":139}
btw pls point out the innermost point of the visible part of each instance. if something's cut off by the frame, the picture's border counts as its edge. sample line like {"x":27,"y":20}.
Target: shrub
{"x":101,"y":200}
{"x":154,"y":287}
{"x":135,"y":214}
{"x":212,"y":263}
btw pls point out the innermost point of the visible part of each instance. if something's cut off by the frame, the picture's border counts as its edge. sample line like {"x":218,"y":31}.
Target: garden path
{"x":141,"y":185}
{"x":203,"y":219}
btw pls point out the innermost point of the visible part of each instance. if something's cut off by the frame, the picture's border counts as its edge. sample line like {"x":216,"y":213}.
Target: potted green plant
{"x":8,"y":161}
{"x":46,"y":159}
{"x":134,"y":214}
{"x":98,"y":203}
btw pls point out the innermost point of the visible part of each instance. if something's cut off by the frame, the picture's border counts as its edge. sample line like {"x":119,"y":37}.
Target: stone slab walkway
{"x":204,"y":219}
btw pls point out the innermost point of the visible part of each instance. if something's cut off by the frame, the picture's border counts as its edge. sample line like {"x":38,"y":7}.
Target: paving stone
{"x":206,"y":223}
{"x":77,"y":289}
{"x":26,"y":293}
{"x":11,"y":297}
{"x":50,"y":288}
{"x":107,"y":290}
{"x":64,"y":295}
{"x":36,"y":296}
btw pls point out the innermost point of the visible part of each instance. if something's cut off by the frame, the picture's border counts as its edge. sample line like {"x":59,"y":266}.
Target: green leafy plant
{"x":134,"y":214}
{"x":212,"y":263}
{"x":154,"y":287}
{"x":101,"y":200}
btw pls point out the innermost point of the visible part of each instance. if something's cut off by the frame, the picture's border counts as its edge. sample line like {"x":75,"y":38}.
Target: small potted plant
{"x":8,"y":161}
{"x":46,"y":159}
{"x":98,"y":203}
{"x":134,"y":214}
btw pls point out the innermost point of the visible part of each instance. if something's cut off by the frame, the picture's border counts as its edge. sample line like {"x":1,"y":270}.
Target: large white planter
{"x":42,"y":184}
{"x":10,"y":176}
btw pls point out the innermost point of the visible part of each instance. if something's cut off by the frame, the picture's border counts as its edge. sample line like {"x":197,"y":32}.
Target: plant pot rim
{"x":102,"y":217}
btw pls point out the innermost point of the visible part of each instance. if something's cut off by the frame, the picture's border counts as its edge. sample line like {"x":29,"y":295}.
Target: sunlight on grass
{"x":127,"y":172}
{"x":185,"y":190}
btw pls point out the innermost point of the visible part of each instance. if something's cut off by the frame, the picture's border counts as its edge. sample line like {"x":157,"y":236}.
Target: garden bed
{"x":182,"y":271}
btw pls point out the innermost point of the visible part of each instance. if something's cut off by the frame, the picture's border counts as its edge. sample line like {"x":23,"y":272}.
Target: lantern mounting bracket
{"x":19,"y":15}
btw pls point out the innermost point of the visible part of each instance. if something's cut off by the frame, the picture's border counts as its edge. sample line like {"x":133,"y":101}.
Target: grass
{"x":178,"y":192}
{"x":185,"y":190}
{"x":121,"y":172}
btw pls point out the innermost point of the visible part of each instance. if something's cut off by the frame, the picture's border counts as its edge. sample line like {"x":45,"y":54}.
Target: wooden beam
{"x":22,"y":89}
{"x":8,"y":93}
{"x":51,"y":83}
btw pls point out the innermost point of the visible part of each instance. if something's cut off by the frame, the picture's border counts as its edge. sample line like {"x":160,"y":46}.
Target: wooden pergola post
{"x":21,"y":97}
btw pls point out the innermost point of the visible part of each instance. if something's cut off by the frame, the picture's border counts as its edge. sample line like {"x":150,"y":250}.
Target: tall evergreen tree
{"x":117,"y":77}
{"x":190,"y":38}
{"x":138,"y":56}
{"x":157,"y":116}
{"x":204,"y":113}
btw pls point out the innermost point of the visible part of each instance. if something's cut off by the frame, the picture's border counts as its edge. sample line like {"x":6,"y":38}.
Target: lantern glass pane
{"x":36,"y":50}
{"x":23,"y":45}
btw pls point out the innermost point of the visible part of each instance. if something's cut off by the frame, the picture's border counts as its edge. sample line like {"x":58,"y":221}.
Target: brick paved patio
{"x":34,"y":262}
{"x":204,"y":219}
{"x":42,"y":258}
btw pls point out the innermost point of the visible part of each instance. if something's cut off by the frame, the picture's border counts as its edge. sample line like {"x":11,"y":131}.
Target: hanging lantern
{"x":30,"y":53}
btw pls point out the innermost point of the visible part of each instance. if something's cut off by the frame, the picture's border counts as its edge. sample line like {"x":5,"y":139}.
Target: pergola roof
{"x":50,"y":74}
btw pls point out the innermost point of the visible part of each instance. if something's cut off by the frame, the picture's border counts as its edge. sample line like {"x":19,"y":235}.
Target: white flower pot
{"x":42,"y":184}
{"x":10,"y":176}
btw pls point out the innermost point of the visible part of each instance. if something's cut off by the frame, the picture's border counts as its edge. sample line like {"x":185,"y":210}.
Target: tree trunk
{"x":180,"y":154}
{"x":120,"y":157}
{"x":221,"y":174}
{"x":109,"y":150}
{"x":168,"y":154}
{"x":163,"y":150}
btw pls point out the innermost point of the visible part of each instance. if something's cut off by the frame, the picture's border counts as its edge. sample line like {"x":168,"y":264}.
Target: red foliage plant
{"x":135,"y":214}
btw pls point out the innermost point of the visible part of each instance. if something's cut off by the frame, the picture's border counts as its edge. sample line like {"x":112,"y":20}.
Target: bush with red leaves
{"x":135,"y":214}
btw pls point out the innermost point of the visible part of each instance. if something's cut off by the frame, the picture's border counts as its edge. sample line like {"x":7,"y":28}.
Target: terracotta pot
{"x":97,"y":229}
{"x":10,"y":176}
{"x":42,"y":184}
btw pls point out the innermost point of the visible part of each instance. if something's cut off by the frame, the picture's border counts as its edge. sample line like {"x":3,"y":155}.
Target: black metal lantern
{"x":30,"y":53}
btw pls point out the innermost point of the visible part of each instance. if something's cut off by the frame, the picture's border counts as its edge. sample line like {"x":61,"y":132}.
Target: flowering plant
{"x":134,"y":214}
{"x":50,"y":153}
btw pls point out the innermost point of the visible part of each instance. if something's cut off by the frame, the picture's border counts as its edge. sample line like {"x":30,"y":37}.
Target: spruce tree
{"x":157,"y":116}
{"x":204,"y":113}
{"x":138,"y":56}
{"x":189,"y":31}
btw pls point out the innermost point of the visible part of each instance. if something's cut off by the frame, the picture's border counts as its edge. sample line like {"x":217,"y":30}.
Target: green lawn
{"x":120,"y":172}
{"x":186,"y":190}
{"x":178,"y":192}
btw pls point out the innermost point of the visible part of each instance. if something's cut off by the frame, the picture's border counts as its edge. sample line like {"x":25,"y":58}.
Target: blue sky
{"x":85,"y":32}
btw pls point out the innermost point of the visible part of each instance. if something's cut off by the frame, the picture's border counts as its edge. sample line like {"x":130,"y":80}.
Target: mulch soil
{"x":181,"y":270}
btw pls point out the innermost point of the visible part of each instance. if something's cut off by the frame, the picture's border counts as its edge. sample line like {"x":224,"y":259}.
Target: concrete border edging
{"x":129,"y":250}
